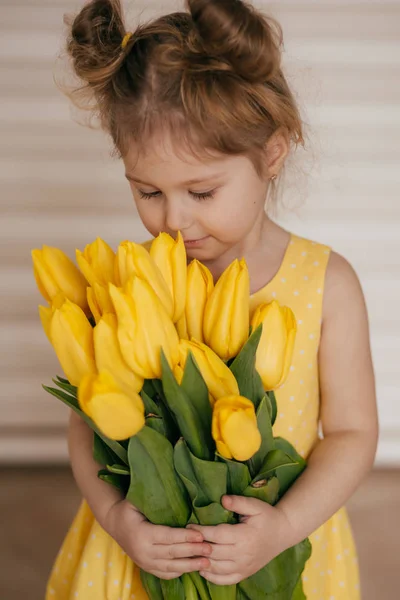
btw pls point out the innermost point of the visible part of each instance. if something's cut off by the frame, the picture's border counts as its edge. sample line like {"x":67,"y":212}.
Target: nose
{"x":177,"y":215}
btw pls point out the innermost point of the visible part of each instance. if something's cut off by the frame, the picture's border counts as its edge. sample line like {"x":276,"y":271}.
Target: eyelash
{"x":203,"y":196}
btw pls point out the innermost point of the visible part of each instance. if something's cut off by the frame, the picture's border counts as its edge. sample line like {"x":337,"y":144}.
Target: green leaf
{"x":118,"y":469}
{"x":266,"y":490}
{"x":172,"y":588}
{"x":195,"y":387}
{"x":274,"y":408}
{"x":205,"y":482}
{"x":288,"y":475}
{"x":72,"y":402}
{"x":155,"y":489}
{"x":238,"y":475}
{"x":267,"y":439}
{"x":201,"y":585}
{"x":298,"y":593}
{"x":276,"y":459}
{"x":152,"y":585}
{"x":102,"y":453}
{"x":157,"y":424}
{"x":243,"y":368}
{"x":67,"y":387}
{"x":279,"y":578}
{"x":150,"y":406}
{"x":189,"y":588}
{"x":221,"y":592}
{"x":62,"y":379}
{"x":149,"y":389}
{"x":113,"y":479}
{"x":186,"y":414}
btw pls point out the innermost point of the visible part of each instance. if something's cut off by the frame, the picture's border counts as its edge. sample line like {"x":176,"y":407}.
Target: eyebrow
{"x":190,"y":182}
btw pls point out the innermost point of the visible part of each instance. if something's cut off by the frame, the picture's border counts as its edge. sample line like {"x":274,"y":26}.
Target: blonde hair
{"x":211,"y":76}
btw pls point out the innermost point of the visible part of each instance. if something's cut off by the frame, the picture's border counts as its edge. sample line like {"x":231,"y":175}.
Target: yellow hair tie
{"x":126,"y":39}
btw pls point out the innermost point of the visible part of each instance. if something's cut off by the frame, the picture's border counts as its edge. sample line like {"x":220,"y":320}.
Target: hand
{"x":239,"y":551}
{"x":166,"y":552}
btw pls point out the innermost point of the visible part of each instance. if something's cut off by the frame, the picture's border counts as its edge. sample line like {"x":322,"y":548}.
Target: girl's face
{"x":218,"y":205}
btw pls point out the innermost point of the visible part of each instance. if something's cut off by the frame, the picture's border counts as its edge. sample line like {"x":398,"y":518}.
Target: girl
{"x":200,"y":112}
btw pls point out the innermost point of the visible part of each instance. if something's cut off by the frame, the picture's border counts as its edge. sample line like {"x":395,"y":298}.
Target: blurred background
{"x":59,"y":186}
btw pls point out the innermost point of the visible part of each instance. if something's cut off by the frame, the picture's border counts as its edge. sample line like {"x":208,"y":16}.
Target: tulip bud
{"x":57,"y":276}
{"x":218,"y":377}
{"x":234,"y":428}
{"x":226,"y":318}
{"x":181,"y":328}
{"x":118,"y":415}
{"x":109,"y":358}
{"x":134,"y":259}
{"x":275,"y":350}
{"x":97,"y":262}
{"x":144,"y":327}
{"x":170,"y":257}
{"x":200,"y":285}
{"x":99,"y":301}
{"x":72,"y":337}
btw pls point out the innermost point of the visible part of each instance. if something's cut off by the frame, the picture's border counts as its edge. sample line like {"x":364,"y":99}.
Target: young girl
{"x":199,"y":111}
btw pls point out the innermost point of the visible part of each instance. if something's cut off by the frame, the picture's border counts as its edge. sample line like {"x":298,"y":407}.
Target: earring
{"x":273,"y":177}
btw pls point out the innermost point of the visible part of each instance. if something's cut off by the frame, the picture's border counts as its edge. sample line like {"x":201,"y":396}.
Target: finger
{"x":221,"y":579}
{"x":162,"y":575}
{"x":172,"y":535}
{"x":221,"y":534}
{"x":183,"y":565}
{"x":223,"y":552}
{"x":222,"y":567}
{"x":243,"y":505}
{"x":181,"y":550}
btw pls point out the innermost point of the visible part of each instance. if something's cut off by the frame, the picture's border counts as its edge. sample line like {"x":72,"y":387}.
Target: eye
{"x":203,"y":195}
{"x":148,"y":196}
{"x":197,"y":195}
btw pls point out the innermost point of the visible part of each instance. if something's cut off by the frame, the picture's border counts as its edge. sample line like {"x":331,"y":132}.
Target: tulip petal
{"x":241,"y":435}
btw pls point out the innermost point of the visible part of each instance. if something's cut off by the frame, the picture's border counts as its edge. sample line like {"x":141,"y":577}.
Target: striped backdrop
{"x":59,"y":186}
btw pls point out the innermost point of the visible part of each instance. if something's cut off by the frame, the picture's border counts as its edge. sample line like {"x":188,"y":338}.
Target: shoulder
{"x":343,"y":291}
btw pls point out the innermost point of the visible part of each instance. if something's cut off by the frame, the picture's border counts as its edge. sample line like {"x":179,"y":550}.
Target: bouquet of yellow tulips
{"x":177,"y":383}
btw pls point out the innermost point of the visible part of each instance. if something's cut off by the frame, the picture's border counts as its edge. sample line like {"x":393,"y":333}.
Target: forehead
{"x":171,"y":159}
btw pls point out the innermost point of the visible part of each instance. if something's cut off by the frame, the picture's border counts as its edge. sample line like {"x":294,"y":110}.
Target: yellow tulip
{"x":72,"y":337}
{"x":97,"y":262}
{"x":99,"y":301}
{"x":56,"y":275}
{"x":218,"y":377}
{"x":200,"y":286}
{"x":181,"y":328}
{"x":109,"y":358}
{"x":46,"y":314}
{"x":144,"y":327}
{"x":118,"y":415}
{"x":275,"y":350}
{"x":178,"y":373}
{"x":226,"y":317}
{"x":234,"y":428}
{"x":134,"y":259}
{"x":170,"y":257}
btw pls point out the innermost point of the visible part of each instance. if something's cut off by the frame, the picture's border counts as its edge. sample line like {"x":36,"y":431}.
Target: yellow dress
{"x":90,"y":564}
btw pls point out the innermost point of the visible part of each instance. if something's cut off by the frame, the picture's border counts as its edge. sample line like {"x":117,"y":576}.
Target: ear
{"x":277,"y":149}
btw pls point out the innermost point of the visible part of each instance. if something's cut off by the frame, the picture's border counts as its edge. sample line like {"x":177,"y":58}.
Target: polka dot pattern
{"x":91,"y":565}
{"x":332,"y":570}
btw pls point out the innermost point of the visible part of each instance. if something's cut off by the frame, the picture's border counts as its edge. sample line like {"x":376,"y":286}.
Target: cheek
{"x":234,"y":219}
{"x":150,"y":215}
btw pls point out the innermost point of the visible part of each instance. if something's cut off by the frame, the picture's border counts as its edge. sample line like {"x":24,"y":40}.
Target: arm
{"x":349,"y":417}
{"x":100,"y":496}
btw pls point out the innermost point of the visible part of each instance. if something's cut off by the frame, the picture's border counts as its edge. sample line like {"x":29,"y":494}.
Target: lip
{"x":198,"y":242}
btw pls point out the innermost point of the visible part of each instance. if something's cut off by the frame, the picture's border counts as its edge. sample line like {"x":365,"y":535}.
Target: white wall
{"x":60,"y":187}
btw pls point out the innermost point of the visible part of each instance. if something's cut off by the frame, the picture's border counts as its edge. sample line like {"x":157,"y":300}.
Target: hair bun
{"x":235,"y":30}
